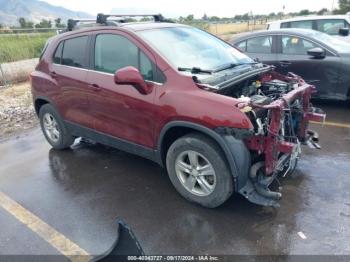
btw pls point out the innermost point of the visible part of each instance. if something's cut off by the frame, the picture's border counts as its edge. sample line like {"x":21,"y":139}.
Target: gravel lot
{"x":16,"y":110}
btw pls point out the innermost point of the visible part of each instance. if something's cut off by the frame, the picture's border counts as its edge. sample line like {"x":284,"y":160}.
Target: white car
{"x":336,"y":25}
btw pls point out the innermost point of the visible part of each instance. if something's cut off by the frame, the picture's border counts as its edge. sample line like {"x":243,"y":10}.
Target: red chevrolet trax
{"x":217,"y":120}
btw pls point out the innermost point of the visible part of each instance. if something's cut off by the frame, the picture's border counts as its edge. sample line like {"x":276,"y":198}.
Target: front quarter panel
{"x":184,"y":101}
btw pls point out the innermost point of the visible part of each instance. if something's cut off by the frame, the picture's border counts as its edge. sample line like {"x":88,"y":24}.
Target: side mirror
{"x":131,"y":76}
{"x":317,"y":52}
{"x":344,"y":31}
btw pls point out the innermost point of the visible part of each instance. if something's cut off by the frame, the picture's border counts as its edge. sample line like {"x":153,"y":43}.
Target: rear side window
{"x":285,"y":25}
{"x":74,"y":52}
{"x":330,"y":26}
{"x":262,"y":45}
{"x":58,"y":54}
{"x":44,"y":49}
{"x":301,"y":24}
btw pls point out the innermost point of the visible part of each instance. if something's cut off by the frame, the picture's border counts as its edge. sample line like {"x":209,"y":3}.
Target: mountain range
{"x":35,"y":11}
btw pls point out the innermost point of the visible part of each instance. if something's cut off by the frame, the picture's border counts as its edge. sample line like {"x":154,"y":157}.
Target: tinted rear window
{"x":285,"y":25}
{"x":58,"y":54}
{"x":261,"y":44}
{"x":301,"y":24}
{"x":74,"y":52}
{"x":330,"y":26}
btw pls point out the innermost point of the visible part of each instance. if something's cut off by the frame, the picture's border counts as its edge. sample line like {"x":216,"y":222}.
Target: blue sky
{"x":176,"y":8}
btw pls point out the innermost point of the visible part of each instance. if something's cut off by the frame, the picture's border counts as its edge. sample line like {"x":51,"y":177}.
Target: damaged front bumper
{"x":276,"y":155}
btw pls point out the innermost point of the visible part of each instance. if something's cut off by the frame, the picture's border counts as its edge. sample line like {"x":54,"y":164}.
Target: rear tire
{"x":54,"y":129}
{"x":197,"y":168}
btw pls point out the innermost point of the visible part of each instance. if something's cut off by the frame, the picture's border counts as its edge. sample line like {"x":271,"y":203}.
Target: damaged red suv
{"x":217,"y":120}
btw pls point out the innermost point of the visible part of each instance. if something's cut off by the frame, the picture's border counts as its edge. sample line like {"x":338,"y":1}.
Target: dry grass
{"x":223,"y":29}
{"x":226,"y":31}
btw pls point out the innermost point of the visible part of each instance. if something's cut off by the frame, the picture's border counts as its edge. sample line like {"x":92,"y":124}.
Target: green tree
{"x":214,"y":18}
{"x":22,"y":22}
{"x":344,"y":7}
{"x":146,"y":19}
{"x":58,"y":22}
{"x":29,"y":24}
{"x":323,"y":11}
{"x":44,"y":24}
{"x":304,"y":12}
{"x":189,"y":18}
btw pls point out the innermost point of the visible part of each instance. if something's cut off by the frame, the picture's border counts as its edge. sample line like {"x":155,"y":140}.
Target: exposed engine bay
{"x":279,"y":108}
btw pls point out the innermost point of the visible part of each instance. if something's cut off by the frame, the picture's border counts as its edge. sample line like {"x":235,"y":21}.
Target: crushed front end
{"x":280,"y":112}
{"x":279,"y":108}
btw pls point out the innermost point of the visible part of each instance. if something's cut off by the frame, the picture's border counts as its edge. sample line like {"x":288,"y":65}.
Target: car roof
{"x":310,"y":17}
{"x":134,"y":26}
{"x":138,"y":26}
{"x":296,"y":31}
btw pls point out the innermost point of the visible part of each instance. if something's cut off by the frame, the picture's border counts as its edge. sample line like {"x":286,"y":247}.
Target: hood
{"x":229,"y":77}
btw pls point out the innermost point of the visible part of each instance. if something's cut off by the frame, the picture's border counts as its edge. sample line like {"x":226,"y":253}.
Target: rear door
{"x":292,"y":57}
{"x":69,"y":70}
{"x":261,"y":47}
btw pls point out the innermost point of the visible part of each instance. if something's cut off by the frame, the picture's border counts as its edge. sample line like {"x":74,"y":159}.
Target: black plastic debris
{"x":125,"y":245}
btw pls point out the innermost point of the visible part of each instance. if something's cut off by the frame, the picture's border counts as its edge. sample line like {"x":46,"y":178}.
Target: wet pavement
{"x":81,"y":192}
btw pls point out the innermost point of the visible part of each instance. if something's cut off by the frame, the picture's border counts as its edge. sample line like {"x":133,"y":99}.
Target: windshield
{"x":187,"y":47}
{"x":339,"y":45}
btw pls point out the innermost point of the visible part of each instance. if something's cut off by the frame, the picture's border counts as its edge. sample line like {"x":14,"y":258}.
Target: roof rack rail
{"x":71,"y":23}
{"x":102,"y":18}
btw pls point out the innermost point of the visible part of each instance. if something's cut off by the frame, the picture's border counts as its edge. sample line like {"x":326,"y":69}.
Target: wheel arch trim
{"x":48,"y":100}
{"x":235,"y":151}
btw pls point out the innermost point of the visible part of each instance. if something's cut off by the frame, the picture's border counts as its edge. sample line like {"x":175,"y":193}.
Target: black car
{"x":320,"y":59}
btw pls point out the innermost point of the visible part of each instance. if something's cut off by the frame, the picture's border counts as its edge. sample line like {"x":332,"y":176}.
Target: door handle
{"x":285,"y":63}
{"x":95,"y":87}
{"x":53,"y":74}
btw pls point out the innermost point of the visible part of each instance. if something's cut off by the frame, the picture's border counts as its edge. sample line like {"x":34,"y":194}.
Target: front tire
{"x":197,"y":168}
{"x":54,"y":129}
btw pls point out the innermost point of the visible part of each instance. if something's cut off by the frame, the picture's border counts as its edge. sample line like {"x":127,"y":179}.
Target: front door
{"x":120,"y":110}
{"x":321,"y":72}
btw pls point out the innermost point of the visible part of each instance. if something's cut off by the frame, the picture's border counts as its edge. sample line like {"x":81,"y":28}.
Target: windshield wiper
{"x":232,"y":65}
{"x":195,"y":70}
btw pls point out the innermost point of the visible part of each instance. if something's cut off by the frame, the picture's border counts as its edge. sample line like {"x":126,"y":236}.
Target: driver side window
{"x":113,"y":52}
{"x":292,"y":45}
